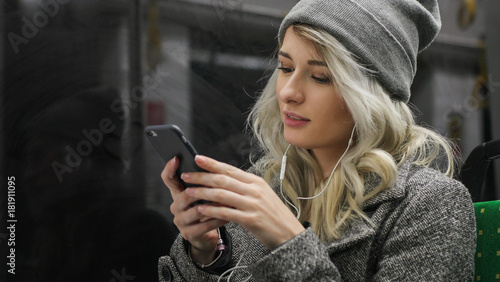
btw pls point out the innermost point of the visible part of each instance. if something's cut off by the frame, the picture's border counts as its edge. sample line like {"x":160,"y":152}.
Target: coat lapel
{"x":361,"y":230}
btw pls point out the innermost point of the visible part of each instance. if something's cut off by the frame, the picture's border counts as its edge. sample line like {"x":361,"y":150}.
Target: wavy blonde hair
{"x":386,"y":136}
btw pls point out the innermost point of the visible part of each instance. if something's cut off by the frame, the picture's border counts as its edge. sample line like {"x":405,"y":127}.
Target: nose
{"x":290,"y":89}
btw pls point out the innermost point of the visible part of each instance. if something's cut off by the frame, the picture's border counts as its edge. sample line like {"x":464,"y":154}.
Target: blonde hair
{"x":386,"y":136}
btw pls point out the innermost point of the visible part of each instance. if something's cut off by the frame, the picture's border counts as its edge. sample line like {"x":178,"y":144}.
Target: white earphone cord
{"x":282,"y":175}
{"x":238,"y":266}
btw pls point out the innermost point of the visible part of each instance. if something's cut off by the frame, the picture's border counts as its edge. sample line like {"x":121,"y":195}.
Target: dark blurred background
{"x":81,"y":79}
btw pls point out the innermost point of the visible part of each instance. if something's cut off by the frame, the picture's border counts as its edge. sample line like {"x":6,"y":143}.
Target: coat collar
{"x":360,"y":229}
{"x":396,"y":191}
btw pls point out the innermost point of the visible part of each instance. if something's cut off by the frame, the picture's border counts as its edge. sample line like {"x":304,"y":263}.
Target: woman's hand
{"x":241,"y":197}
{"x":195,"y":227}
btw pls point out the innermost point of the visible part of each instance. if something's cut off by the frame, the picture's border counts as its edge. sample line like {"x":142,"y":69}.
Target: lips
{"x":295,"y":120}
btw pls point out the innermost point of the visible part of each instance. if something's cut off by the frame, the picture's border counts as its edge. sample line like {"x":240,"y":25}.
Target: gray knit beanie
{"x":385,"y":35}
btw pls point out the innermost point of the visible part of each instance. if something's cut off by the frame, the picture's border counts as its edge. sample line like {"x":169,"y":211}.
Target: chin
{"x":298,"y":142}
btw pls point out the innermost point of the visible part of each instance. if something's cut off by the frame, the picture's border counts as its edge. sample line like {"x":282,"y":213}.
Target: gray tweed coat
{"x":423,"y":230}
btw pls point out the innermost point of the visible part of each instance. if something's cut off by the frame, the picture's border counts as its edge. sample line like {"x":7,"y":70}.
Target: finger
{"x":209,"y":225}
{"x":224,"y":213}
{"x":214,"y":166}
{"x":219,"y":197}
{"x":182,"y":203}
{"x":186,"y":217}
{"x":214,"y":180}
{"x":205,"y":218}
{"x":199,"y":230}
{"x":170,"y":178}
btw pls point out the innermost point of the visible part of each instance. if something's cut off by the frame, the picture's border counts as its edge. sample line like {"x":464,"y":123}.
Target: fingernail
{"x":173,"y":160}
{"x":185,"y":176}
{"x":200,"y":159}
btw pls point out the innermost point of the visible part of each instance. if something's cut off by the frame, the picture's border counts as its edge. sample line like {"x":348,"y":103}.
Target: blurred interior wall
{"x":72,"y":129}
{"x":493,"y":65}
{"x":453,"y":91}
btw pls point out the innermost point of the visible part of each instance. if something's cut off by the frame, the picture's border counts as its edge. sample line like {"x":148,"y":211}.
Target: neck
{"x":327,"y":159}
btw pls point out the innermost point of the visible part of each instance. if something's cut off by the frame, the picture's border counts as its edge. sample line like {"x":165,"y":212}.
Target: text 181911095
{"x":11,"y":224}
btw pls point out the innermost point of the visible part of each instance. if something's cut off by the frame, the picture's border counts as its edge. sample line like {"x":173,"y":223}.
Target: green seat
{"x":487,"y":260}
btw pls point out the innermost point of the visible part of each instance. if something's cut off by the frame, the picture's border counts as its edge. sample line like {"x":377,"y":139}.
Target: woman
{"x":359,"y":195}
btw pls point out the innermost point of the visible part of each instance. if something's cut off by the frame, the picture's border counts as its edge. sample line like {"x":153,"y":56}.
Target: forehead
{"x":297,"y":45}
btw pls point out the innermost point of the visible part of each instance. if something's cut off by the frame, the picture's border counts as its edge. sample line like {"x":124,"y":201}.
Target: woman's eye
{"x":322,"y":80}
{"x":285,"y":70}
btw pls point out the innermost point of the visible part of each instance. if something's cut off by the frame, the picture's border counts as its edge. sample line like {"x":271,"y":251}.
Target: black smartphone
{"x":169,"y":141}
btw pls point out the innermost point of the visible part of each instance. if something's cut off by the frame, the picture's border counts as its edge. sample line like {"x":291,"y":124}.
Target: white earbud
{"x":283,"y":164}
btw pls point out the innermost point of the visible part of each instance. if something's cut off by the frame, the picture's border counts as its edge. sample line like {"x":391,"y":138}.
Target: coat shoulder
{"x":427,"y":183}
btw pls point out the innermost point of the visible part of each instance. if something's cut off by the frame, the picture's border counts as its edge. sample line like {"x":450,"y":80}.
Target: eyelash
{"x":322,"y":80}
{"x":319,"y":80}
{"x":285,"y":70}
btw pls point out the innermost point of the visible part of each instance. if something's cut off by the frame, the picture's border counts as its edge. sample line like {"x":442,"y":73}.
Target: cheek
{"x":335,"y":114}
{"x":340,"y":109}
{"x":345,"y":111}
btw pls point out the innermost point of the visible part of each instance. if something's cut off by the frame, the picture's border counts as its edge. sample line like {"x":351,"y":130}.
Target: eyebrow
{"x":310,"y":62}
